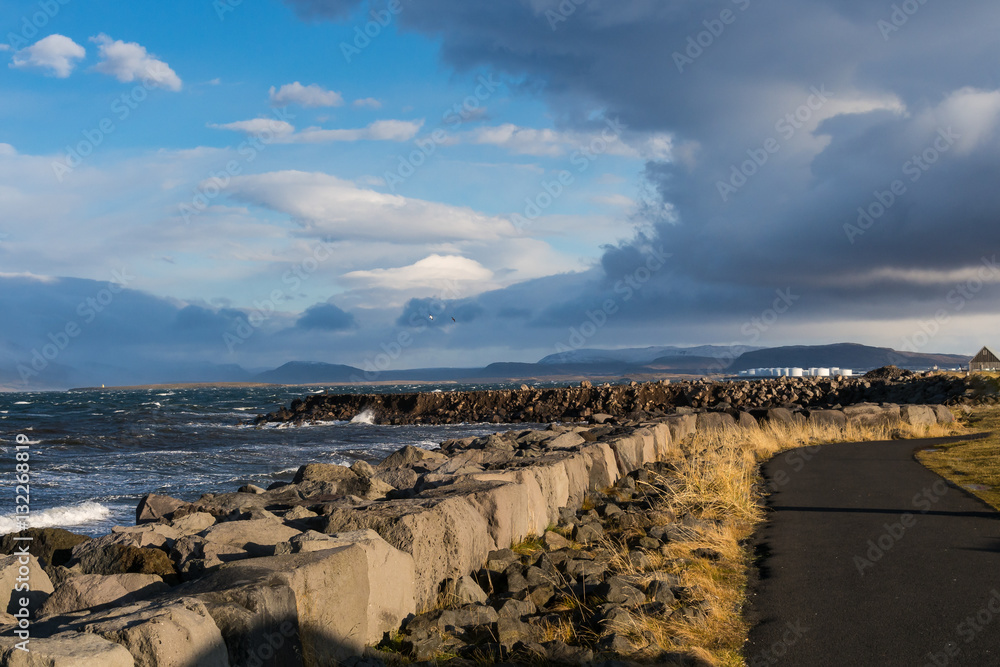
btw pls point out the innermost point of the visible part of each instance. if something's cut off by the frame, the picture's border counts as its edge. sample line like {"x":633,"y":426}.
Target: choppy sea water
{"x":94,"y":454}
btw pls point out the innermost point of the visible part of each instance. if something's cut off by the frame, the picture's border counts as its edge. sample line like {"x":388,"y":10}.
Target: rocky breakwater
{"x":311,"y":572}
{"x":630,"y":401}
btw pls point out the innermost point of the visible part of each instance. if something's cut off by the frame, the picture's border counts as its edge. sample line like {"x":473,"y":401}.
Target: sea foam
{"x":59,"y":517}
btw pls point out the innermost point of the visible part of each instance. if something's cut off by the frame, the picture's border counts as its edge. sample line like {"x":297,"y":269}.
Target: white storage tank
{"x":823,"y":372}
{"x":797,"y":372}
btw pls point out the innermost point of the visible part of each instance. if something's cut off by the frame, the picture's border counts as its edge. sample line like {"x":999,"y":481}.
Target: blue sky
{"x":244,"y":144}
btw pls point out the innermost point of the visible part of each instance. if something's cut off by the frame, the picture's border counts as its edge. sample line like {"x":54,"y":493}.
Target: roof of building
{"x":986,"y":354}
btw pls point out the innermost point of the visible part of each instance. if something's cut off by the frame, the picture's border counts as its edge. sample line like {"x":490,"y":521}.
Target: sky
{"x":399,"y":184}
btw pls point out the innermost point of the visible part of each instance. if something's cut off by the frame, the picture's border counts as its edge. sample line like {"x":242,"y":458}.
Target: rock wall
{"x":634,"y":401}
{"x":309,"y":573}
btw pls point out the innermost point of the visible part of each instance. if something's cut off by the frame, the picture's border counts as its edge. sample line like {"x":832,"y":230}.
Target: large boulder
{"x":681,"y":426}
{"x":943,"y":414}
{"x":602,"y":465}
{"x":125,"y":559}
{"x":777,"y":416}
{"x":399,"y":478}
{"x":333,"y":480}
{"x":827,"y":418}
{"x":391,"y":579}
{"x":224,"y":505}
{"x":153,"y":535}
{"x":410,"y":455}
{"x":918,"y":415}
{"x":93,"y":590}
{"x":153,"y":508}
{"x":51,"y":546}
{"x":447,"y":537}
{"x":169,"y":633}
{"x":568,"y":440}
{"x":530,"y":502}
{"x":746,"y":420}
{"x":65,"y":649}
{"x":192,"y":524}
{"x":867,"y":414}
{"x":24,"y":567}
{"x":715,"y":421}
{"x":663,"y":443}
{"x":257,"y":537}
{"x":258,"y":620}
{"x":332,"y":595}
{"x":633,"y":451}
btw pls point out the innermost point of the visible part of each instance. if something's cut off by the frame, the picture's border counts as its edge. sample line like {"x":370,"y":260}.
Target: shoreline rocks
{"x":608,"y":404}
{"x":311,"y":572}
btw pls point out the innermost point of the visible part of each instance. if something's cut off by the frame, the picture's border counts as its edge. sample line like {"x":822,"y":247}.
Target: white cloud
{"x":380,"y":130}
{"x":521,"y":140}
{"x":617,"y":200}
{"x":48,"y":280}
{"x":258,"y":127}
{"x":975,"y":111}
{"x":431,"y":271}
{"x":4,"y":47}
{"x":553,"y":143}
{"x":56,"y":52}
{"x":367,"y":103}
{"x":307,"y":96}
{"x":7,"y":149}
{"x":329,"y":206}
{"x":373,"y":181}
{"x":128,"y":61}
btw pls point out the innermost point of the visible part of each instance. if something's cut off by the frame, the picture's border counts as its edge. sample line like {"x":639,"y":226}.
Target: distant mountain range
{"x":644,"y":355}
{"x":634,"y":363}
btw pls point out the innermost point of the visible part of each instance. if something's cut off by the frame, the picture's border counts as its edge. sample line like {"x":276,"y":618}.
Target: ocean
{"x":95,"y":453}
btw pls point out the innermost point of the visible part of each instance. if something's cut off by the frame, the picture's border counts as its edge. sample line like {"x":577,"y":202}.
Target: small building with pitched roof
{"x":986,"y":360}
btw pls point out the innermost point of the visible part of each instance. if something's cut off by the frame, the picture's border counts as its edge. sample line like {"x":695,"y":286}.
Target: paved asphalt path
{"x":868,"y":558}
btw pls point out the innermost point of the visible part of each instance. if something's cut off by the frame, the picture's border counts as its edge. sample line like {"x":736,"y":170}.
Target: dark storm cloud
{"x":423,"y":313}
{"x":326,"y":317}
{"x":60,"y":332}
{"x":906,"y":94}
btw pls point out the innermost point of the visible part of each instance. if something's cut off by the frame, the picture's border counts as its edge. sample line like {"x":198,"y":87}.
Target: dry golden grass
{"x":718,"y":481}
{"x":975,"y":465}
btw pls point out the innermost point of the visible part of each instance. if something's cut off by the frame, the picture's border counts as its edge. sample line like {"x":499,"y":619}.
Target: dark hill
{"x":843,"y":355}
{"x":310,"y":372}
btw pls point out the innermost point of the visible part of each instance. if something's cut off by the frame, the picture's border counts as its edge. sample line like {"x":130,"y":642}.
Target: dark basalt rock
{"x":51,"y":546}
{"x":729,"y":402}
{"x":123,"y":559}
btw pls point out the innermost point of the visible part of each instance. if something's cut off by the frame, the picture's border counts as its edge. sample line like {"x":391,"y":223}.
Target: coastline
{"x":389,"y":536}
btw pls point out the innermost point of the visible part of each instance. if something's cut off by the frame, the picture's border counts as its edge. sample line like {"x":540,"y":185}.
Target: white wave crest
{"x":366,"y":417}
{"x":59,"y":517}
